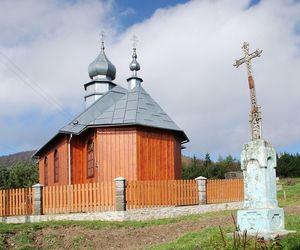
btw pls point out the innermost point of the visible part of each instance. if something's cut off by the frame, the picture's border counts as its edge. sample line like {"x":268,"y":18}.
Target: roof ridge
{"x":94,"y":103}
{"x":126,"y":105}
{"x":138,"y":100}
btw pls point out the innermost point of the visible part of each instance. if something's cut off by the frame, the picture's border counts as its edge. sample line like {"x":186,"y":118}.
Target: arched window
{"x":90,"y":159}
{"x":56,"y":166}
{"x":46,"y":171}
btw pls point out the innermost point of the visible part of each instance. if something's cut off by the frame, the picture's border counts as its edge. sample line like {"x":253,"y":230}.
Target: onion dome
{"x":134,"y":66}
{"x":101,"y":67}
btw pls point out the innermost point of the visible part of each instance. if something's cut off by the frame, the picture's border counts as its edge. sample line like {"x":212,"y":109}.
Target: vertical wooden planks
{"x":16,"y":201}
{"x":158,"y":193}
{"x":229,"y":190}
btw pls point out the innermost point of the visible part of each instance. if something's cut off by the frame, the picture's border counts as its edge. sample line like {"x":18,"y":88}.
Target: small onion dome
{"x":102,"y":66}
{"x":134,"y":65}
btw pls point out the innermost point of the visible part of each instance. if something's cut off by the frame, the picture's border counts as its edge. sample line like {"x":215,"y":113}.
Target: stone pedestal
{"x":37,"y":198}
{"x":261,"y":220}
{"x":120,"y":185}
{"x":201,"y":189}
{"x":261,"y":214}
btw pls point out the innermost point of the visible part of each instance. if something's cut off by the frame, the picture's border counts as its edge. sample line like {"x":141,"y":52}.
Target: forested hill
{"x":21,"y":157}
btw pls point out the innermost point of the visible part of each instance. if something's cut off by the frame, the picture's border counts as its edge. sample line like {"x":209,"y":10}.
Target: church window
{"x":46,"y":171}
{"x":90,"y":159}
{"x":56,"y":166}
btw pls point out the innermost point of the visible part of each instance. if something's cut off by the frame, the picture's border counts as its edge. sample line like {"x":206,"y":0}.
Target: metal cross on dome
{"x":102,"y":38}
{"x":255,"y":114}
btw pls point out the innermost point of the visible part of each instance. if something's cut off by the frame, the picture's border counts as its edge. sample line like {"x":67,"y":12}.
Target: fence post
{"x":120,"y":193}
{"x":37,"y":198}
{"x":201,"y":189}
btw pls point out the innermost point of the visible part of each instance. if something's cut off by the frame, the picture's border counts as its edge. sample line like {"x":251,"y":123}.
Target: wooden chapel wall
{"x":61,"y":145}
{"x":135,"y":153}
{"x":159,"y":155}
{"x":116,"y":151}
{"x":79,"y":158}
{"x":177,"y":160}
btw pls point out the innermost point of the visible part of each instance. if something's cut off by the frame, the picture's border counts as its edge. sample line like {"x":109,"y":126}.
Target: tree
{"x":209,"y":169}
{"x":288,"y":165}
{"x":193,"y":169}
{"x":23,"y":175}
{"x":4,"y":174}
{"x":207,"y":160}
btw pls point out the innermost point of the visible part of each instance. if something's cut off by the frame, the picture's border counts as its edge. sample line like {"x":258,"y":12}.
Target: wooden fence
{"x":158,"y":193}
{"x":219,"y":191}
{"x":101,"y":196}
{"x":89,"y":197}
{"x":16,"y":201}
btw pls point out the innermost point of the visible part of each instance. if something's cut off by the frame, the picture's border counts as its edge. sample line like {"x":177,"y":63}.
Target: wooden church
{"x":122,"y":132}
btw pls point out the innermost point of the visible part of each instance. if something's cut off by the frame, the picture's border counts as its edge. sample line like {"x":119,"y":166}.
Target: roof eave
{"x":38,"y":152}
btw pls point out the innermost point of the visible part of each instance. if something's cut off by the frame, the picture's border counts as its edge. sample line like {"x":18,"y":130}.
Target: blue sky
{"x":142,"y":10}
{"x":53,"y":42}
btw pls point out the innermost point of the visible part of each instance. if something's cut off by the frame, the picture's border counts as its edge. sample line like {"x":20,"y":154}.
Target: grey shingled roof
{"x":120,"y":107}
{"x":87,"y":117}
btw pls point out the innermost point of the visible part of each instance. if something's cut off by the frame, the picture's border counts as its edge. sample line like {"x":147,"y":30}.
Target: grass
{"x":24,"y":240}
{"x":51,"y":241}
{"x":2,"y":237}
{"x":80,"y":241}
{"x":292,"y":193}
{"x":211,"y":239}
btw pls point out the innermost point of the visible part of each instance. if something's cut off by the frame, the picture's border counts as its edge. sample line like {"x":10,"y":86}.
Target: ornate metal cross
{"x":102,"y":38}
{"x":255,"y":113}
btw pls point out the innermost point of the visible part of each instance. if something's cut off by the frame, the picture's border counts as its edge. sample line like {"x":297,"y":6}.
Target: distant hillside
{"x":21,"y":157}
{"x":186,"y":159}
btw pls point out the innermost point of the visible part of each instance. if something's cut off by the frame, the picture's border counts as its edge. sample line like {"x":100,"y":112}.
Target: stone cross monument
{"x":261,"y":214}
{"x":255,"y":114}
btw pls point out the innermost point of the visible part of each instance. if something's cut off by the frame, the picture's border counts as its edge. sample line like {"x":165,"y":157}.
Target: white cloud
{"x":186,"y":53}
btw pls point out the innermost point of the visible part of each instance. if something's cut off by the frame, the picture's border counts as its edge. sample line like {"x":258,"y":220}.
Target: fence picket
{"x":1,"y":203}
{"x":230,"y":190}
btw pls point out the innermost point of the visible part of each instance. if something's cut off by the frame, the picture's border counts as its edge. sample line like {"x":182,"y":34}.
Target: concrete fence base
{"x":132,"y":214}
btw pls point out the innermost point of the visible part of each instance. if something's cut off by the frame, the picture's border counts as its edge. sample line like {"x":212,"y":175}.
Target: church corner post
{"x":120,"y":189}
{"x":37,"y":199}
{"x":261,"y":215}
{"x":201,"y":189}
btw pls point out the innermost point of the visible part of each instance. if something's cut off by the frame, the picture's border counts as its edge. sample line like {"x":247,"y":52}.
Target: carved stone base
{"x":261,"y":220}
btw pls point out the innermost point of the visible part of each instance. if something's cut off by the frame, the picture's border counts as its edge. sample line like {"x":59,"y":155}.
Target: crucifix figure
{"x":255,"y":114}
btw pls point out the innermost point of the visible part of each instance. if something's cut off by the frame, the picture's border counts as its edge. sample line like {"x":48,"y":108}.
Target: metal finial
{"x":102,"y":38}
{"x":134,"y":65}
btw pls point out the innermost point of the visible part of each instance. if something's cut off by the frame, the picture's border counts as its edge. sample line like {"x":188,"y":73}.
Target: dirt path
{"x":292,"y":209}
{"x":124,"y":238}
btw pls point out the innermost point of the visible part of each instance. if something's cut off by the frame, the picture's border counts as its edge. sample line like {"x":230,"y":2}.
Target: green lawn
{"x":292,"y":193}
